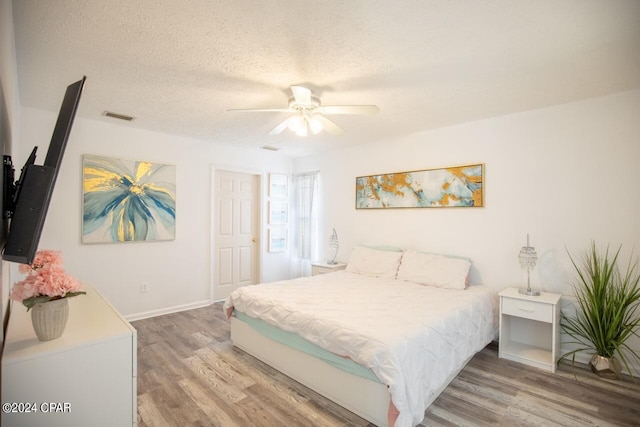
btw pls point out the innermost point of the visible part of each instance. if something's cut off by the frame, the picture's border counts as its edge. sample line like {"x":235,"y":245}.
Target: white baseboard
{"x":167,"y":310}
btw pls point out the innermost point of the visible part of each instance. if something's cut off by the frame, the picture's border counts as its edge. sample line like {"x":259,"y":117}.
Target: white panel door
{"x":235,"y":232}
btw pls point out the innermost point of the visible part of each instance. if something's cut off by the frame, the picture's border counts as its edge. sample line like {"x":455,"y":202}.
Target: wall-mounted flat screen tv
{"x":27,"y":200}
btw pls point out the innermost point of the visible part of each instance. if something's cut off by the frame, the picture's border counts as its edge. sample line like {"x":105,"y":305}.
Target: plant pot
{"x":50,"y":318}
{"x":606,"y":367}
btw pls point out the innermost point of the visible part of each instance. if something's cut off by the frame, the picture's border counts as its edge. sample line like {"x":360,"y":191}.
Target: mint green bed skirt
{"x":295,"y":341}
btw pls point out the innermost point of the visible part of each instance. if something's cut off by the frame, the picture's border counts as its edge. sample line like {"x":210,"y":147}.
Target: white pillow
{"x":374,"y":263}
{"x":435,"y":270}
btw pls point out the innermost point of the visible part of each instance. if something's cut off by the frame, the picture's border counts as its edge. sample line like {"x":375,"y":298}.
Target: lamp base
{"x":529,"y":291}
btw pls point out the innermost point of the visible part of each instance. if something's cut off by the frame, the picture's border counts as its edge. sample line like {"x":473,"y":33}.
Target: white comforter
{"x":413,"y":337}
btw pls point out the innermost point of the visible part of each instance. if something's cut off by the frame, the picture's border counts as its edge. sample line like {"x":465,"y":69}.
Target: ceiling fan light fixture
{"x":309,"y":114}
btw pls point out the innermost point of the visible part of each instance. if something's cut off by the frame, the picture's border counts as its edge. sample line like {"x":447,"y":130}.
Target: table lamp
{"x":334,"y":244}
{"x":528,"y":258}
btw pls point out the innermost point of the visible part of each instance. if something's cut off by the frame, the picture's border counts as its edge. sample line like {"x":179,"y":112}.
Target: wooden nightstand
{"x":529,"y":328}
{"x":323,"y":267}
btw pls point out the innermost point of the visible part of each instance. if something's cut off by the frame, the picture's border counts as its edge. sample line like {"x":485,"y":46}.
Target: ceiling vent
{"x":270,"y":148}
{"x":118,"y":116}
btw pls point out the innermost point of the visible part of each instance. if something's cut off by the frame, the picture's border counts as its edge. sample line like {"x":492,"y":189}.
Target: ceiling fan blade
{"x":302,"y":95}
{"x":263,"y":110}
{"x":282,"y":126}
{"x":349,"y":109}
{"x":328,"y":125}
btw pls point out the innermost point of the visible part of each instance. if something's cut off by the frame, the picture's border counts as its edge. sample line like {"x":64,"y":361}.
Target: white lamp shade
{"x":315,"y":125}
{"x":296,"y":124}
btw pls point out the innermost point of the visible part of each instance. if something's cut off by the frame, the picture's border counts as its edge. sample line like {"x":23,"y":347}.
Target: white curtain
{"x":305,"y":222}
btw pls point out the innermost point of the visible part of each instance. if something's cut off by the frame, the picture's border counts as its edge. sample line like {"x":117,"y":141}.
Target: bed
{"x":375,"y":338}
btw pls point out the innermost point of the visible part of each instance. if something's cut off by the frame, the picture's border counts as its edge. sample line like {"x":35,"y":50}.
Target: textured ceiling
{"x":178,"y":65}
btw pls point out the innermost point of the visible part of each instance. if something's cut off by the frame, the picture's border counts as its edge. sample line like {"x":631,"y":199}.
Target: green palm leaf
{"x":607,"y":306}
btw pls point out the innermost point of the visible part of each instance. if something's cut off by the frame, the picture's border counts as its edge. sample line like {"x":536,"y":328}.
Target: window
{"x":305,"y":224}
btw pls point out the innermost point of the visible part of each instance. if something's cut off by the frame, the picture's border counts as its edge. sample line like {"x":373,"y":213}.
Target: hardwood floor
{"x":189,"y":374}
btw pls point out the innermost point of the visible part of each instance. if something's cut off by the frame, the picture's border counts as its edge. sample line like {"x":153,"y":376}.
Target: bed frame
{"x":364,"y":397}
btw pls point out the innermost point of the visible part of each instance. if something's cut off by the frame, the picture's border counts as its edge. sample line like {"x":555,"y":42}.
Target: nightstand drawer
{"x":527,"y":309}
{"x":318,"y":268}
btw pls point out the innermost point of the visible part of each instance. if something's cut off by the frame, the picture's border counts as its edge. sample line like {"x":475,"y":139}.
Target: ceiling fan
{"x":309,"y":115}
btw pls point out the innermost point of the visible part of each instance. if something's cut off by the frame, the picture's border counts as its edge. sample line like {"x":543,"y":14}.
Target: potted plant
{"x":606,"y":315}
{"x":45,"y":291}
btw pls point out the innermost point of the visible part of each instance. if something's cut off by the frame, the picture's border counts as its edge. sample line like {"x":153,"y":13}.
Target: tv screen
{"x":30,"y":195}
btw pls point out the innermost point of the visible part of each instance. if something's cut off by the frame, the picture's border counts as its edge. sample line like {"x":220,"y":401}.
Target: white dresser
{"x":87,"y":377}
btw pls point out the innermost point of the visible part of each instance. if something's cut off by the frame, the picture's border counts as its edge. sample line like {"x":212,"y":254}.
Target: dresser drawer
{"x":527,"y":309}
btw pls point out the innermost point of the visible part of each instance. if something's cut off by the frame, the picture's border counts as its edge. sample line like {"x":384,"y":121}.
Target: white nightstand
{"x":323,"y":267}
{"x":529,"y":328}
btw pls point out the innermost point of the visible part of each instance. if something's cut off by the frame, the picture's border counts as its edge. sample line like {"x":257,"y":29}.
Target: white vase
{"x":606,"y":367}
{"x":50,"y":318}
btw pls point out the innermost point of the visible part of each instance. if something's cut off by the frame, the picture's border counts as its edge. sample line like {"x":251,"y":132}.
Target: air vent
{"x":118,"y":116}
{"x":270,"y":148}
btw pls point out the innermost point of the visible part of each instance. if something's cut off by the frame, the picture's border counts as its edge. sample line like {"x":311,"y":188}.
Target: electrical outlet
{"x":144,"y":287}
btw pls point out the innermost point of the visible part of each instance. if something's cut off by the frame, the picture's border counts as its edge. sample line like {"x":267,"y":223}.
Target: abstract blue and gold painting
{"x":127,"y":201}
{"x":458,"y":186}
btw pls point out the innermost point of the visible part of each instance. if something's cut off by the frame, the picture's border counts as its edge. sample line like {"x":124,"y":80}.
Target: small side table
{"x":529,"y":328}
{"x":323,"y":267}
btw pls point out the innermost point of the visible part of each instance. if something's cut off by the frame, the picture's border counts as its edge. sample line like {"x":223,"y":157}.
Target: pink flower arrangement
{"x":45,"y":280}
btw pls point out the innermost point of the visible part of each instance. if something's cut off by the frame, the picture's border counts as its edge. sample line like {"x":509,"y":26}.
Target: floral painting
{"x":458,"y":186}
{"x":126,"y":201}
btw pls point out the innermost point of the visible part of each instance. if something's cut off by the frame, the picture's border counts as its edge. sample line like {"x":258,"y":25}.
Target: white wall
{"x":566,"y":175}
{"x":178,"y":271}
{"x":9,"y":82}
{"x":8,"y":64}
